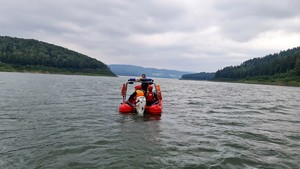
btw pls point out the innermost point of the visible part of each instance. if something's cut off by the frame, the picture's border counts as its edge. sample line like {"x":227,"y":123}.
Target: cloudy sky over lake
{"x":189,"y":35}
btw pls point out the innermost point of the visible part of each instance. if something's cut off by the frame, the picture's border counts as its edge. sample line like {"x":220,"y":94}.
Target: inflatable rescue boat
{"x":145,"y":97}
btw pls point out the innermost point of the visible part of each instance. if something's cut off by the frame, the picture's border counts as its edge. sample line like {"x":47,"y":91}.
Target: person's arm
{"x":132,"y":96}
{"x":155,"y":96}
{"x":139,"y":79}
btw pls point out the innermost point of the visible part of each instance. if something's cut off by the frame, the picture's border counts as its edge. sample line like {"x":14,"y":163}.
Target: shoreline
{"x":52,"y":70}
{"x":272,"y":83}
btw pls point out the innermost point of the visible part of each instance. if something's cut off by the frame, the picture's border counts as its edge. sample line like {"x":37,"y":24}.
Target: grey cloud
{"x":244,"y":20}
{"x":189,"y":35}
{"x":258,"y":9}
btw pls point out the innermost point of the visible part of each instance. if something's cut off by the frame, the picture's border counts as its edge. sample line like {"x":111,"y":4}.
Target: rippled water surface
{"x":59,"y":121}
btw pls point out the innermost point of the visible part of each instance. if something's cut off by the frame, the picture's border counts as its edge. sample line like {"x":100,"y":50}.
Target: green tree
{"x":270,"y":65}
{"x":297,"y":66}
{"x":30,"y":53}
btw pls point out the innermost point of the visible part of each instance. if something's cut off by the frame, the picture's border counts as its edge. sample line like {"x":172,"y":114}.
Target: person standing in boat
{"x":144,"y":85}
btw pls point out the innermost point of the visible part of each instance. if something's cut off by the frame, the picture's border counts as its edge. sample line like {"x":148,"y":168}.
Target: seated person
{"x":138,"y":92}
{"x":151,"y":97}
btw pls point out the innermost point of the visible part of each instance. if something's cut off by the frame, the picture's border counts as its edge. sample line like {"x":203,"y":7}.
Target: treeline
{"x":29,"y":52}
{"x":285,"y":63}
{"x":198,"y":76}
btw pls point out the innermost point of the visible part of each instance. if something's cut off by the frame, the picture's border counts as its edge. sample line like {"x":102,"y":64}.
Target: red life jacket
{"x":150,"y":97}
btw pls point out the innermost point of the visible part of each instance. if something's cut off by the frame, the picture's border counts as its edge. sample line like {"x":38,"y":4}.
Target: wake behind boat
{"x":146,"y":98}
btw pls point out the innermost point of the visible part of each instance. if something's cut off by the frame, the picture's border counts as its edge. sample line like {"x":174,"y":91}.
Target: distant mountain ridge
{"x":132,"y":70}
{"x":198,"y":76}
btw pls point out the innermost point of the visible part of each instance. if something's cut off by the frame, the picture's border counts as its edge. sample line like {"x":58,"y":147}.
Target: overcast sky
{"x":188,"y":35}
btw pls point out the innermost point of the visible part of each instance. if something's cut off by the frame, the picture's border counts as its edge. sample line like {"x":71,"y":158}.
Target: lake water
{"x":72,"y":122}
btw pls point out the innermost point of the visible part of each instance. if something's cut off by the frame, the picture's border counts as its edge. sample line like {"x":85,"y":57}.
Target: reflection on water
{"x":134,"y":117}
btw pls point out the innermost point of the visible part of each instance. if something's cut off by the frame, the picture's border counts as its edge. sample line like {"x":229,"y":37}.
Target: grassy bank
{"x":272,"y":82}
{"x":53,"y":70}
{"x":279,"y":80}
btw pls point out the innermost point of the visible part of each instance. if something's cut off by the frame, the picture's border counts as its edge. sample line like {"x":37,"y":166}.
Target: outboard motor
{"x":140,"y":105}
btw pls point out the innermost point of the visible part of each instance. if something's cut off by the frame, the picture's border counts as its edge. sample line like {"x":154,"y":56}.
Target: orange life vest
{"x":139,"y":93}
{"x":158,"y":92}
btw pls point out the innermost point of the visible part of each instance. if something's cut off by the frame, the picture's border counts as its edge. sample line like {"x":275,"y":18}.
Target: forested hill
{"x":30,"y":55}
{"x":198,"y":76}
{"x":282,"y":67}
